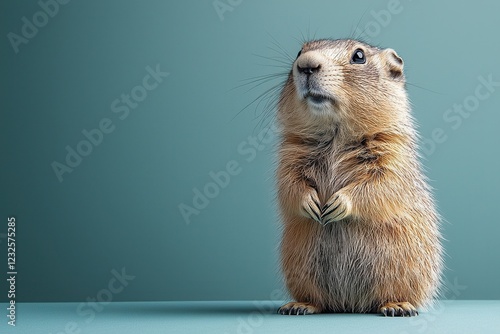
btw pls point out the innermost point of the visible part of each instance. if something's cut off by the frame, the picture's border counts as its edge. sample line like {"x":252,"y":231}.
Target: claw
{"x":331,"y":210}
{"x":295,"y":308}
{"x":398,"y":309}
{"x":336,"y":208}
{"x":317,"y":203}
{"x":311,"y":207}
{"x":318,"y":219}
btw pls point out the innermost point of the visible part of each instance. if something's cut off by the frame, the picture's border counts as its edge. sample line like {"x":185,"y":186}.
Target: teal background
{"x":120,"y":207}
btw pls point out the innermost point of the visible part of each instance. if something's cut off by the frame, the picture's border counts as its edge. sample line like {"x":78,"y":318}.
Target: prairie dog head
{"x":344,"y":84}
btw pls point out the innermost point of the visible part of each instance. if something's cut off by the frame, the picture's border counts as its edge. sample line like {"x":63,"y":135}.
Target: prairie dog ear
{"x":393,"y":63}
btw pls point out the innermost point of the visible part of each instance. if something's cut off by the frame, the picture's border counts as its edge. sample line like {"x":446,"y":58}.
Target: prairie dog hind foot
{"x":402,"y":309}
{"x":296,"y":308}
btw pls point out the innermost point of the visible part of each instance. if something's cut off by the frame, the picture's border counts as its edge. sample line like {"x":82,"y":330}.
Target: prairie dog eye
{"x":358,"y":57}
{"x":298,"y":54}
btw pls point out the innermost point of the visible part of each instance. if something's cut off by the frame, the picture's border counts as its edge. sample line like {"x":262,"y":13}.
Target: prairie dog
{"x":360,"y":228}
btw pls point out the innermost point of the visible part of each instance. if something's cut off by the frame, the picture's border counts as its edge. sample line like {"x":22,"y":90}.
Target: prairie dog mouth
{"x":317,"y":99}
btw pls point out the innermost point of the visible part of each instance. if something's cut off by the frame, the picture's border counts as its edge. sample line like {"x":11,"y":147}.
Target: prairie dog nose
{"x":309,"y":62}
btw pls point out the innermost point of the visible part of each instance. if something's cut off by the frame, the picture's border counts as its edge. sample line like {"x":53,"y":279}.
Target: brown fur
{"x":360,"y":230}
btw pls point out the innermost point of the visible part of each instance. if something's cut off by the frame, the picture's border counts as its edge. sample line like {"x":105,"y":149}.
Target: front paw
{"x":338,"y":207}
{"x":310,"y":206}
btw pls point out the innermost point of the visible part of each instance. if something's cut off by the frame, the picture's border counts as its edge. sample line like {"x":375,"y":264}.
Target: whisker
{"x":357,"y":25}
{"x":278,"y":60}
{"x":259,"y":99}
{"x":304,"y":39}
{"x":285,"y":57}
{"x":265,"y":104}
{"x":261,"y":81}
{"x":423,"y":88}
{"x":282,"y":51}
{"x":315,"y":33}
{"x":418,"y":86}
{"x":261,"y":77}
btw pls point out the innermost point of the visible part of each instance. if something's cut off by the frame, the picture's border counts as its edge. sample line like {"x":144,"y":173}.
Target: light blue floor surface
{"x":241,"y":317}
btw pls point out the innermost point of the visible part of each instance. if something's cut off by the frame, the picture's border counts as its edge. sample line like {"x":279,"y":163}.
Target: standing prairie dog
{"x":360,"y":228}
